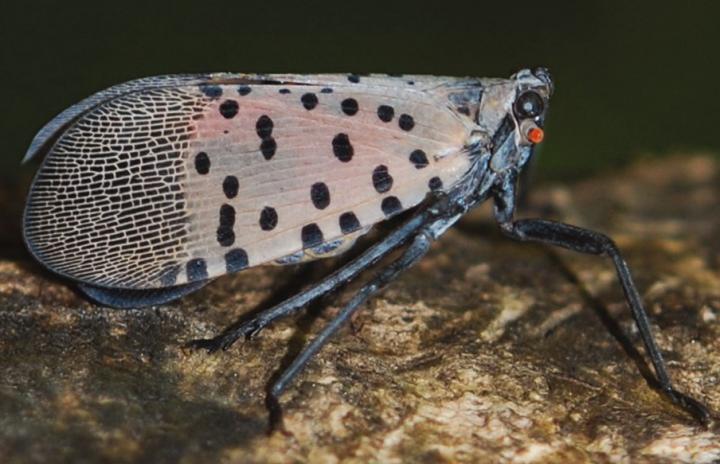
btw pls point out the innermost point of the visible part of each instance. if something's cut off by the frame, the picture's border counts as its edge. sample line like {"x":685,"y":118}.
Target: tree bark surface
{"x":487,"y":351}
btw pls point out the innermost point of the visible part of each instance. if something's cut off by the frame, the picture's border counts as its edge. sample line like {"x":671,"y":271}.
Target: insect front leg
{"x":328,"y":284}
{"x":590,"y":242}
{"x":416,"y":250}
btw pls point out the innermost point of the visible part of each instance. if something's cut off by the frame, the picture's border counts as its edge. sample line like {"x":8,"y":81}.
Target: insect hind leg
{"x":249,"y":327}
{"x":416,"y":250}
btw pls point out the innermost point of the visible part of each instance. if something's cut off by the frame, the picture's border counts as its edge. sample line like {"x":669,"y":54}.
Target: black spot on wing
{"x":309,"y":101}
{"x":202,"y":163}
{"x":342,"y":148}
{"x":435,"y":184}
{"x":311,"y":236}
{"x":406,"y":122}
{"x":349,"y":106}
{"x":381,"y":179}
{"x":227,"y":215}
{"x":348,"y":222}
{"x":268,"y":218}
{"x":268,"y":147}
{"x":196,"y":269}
{"x":391,"y":205}
{"x":229,"y":109}
{"x":264,"y":126}
{"x":419,"y":159}
{"x":385,"y":113}
{"x":211,"y":91}
{"x":320,"y":195}
{"x":225,"y":232}
{"x":230,"y":186}
{"x":225,"y":236}
{"x":236,"y":260}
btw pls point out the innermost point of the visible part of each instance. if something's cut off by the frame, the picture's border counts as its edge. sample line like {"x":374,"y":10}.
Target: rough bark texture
{"x":488,"y":350}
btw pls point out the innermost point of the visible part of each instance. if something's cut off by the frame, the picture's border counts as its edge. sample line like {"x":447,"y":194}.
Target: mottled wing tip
{"x":43,"y":137}
{"x":54,"y":128}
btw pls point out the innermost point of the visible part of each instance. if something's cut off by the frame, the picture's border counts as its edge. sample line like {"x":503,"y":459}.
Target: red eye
{"x":535,"y":135}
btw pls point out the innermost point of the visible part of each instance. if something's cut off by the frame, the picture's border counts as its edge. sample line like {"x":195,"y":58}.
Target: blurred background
{"x":632,"y":78}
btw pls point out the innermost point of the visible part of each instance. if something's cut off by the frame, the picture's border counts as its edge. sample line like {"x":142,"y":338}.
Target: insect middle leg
{"x":325,"y":286}
{"x":416,"y":250}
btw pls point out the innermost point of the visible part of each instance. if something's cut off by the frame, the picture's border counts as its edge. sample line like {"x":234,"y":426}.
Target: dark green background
{"x":632,"y":77}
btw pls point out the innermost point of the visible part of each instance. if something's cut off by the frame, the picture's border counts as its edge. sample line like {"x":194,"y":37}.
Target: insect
{"x":151,"y":189}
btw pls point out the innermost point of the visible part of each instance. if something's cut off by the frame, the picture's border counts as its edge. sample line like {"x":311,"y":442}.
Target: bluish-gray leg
{"x":325,"y":286}
{"x":590,"y":242}
{"x":415,"y":251}
{"x":594,"y":243}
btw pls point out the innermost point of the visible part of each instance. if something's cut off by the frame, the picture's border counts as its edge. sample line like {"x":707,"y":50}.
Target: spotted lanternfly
{"x":153,"y":188}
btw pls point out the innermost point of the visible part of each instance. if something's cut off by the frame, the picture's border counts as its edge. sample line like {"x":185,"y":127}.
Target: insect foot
{"x":698,"y":410}
{"x":226,"y":339}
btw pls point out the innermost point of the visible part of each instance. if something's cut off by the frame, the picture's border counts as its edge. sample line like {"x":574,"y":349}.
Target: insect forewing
{"x":183,"y":179}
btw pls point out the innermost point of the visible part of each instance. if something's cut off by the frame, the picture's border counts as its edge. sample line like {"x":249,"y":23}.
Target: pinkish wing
{"x":161,"y":185}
